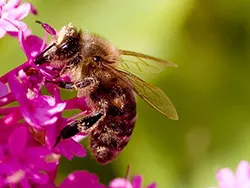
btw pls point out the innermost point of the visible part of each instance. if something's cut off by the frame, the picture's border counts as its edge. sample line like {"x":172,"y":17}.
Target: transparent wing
{"x":140,"y":63}
{"x":150,"y":93}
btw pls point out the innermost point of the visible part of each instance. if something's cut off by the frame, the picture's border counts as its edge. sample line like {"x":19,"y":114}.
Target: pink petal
{"x":226,"y":178}
{"x":74,"y":147}
{"x":3,"y":89}
{"x":25,"y":183}
{"x":243,"y":174}
{"x":79,"y":138}
{"x":43,"y":158}
{"x":20,"y":25}
{"x":37,"y":152}
{"x":51,"y":166}
{"x":39,"y":177}
{"x":20,"y":12}
{"x":52,"y":175}
{"x":27,"y":32}
{"x":40,"y":111}
{"x":15,"y":86}
{"x":137,"y":181}
{"x":21,"y":40}
{"x":64,"y":151}
{"x":2,"y":2}
{"x":12,"y":4}
{"x":9,"y":169}
{"x":33,"y":10}
{"x":153,"y":185}
{"x":81,"y":179}
{"x":120,"y":183}
{"x":31,"y":45}
{"x":18,"y":140}
{"x":59,"y":107}
{"x":51,"y":135}
{"x":2,"y":33}
{"x":7,"y":26}
{"x":1,"y":153}
{"x":16,"y":176}
{"x":1,"y":182}
{"x":46,"y":186}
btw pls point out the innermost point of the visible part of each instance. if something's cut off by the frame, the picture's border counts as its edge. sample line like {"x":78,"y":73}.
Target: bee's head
{"x":64,"y":47}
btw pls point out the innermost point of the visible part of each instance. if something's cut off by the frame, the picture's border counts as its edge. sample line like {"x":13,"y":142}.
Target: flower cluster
{"x":241,"y":179}
{"x":124,"y":183}
{"x":31,"y":120}
{"x":11,"y":14}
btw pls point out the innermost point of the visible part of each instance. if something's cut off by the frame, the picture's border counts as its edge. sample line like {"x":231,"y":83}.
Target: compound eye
{"x":97,"y":59}
{"x":66,"y":48}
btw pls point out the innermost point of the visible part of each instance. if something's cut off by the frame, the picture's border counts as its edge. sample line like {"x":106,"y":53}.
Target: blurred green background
{"x":210,"y":41}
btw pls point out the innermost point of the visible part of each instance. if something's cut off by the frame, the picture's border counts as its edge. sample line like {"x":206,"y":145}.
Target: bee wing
{"x":141,"y":63}
{"x":150,"y":93}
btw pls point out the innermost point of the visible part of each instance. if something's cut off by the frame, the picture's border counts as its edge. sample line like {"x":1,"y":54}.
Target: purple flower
{"x":30,"y":127}
{"x":124,"y":183}
{"x":42,"y":112}
{"x":68,"y":148}
{"x":3,"y":89}
{"x":11,"y":14}
{"x":23,"y":164}
{"x":27,"y":156}
{"x":31,"y":45}
{"x":83,"y":178}
{"x":38,"y":110}
{"x":79,"y":179}
{"x":241,"y":179}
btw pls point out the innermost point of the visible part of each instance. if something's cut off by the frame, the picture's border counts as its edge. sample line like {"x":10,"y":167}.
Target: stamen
{"x":128,"y":172}
{"x":49,"y":29}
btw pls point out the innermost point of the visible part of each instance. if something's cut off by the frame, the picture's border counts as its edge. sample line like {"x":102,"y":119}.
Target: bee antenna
{"x":128,"y":172}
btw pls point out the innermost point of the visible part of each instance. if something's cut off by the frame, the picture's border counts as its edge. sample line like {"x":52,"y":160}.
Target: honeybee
{"x":103,"y":74}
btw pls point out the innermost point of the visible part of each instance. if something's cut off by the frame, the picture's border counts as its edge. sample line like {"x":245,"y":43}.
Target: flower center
{"x":38,"y":135}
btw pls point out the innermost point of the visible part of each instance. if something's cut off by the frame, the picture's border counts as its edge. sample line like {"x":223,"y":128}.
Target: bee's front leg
{"x":85,"y":125}
{"x":86,"y":82}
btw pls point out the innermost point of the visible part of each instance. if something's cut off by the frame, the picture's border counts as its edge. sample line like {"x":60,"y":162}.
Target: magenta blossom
{"x":32,"y":120}
{"x":29,"y":128}
{"x":3,"y":89}
{"x":11,"y":14}
{"x":240,"y":179}
{"x":23,"y":164}
{"x":79,"y":179}
{"x":27,"y":156}
{"x":82,"y":178}
{"x":124,"y":183}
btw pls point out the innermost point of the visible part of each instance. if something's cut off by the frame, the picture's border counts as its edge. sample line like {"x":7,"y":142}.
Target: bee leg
{"x":84,"y":125}
{"x":67,"y":132}
{"x":74,"y":62}
{"x":63,"y":85}
{"x":66,"y":85}
{"x":88,"y":81}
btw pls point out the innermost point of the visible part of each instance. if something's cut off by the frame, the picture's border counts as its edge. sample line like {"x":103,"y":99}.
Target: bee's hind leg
{"x":84,"y":125}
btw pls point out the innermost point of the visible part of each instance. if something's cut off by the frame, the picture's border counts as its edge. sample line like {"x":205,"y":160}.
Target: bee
{"x":103,"y":74}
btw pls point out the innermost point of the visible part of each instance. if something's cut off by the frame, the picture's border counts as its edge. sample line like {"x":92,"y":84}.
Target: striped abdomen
{"x":113,"y":132}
